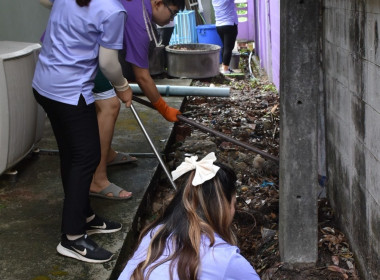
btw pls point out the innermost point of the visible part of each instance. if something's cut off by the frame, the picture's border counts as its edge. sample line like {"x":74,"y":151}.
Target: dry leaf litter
{"x":251,"y":114}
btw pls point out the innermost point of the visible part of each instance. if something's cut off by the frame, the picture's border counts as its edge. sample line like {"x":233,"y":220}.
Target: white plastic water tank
{"x":21,"y":118}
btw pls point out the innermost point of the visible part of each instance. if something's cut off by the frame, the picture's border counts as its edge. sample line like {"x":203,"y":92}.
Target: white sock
{"x":89,"y":219}
{"x":73,"y":237}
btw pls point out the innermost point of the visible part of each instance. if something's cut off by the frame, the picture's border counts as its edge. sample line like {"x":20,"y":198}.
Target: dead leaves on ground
{"x":251,"y":114}
{"x":336,"y":243}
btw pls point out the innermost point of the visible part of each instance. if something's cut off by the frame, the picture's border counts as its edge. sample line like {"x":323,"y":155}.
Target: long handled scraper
{"x":153,"y":147}
{"x":214,"y":132}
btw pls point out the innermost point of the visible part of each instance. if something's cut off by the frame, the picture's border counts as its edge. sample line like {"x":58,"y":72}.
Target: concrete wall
{"x":351,"y":56}
{"x":300,"y":92}
{"x":208,"y":11}
{"x":22,"y":20}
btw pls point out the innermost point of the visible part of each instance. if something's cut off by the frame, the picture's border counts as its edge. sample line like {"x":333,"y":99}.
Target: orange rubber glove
{"x":169,"y":113}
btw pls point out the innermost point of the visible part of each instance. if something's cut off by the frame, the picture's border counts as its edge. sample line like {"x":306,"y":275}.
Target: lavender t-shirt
{"x":225,"y":12}
{"x":136,"y":38}
{"x":221,"y":261}
{"x":68,"y":60}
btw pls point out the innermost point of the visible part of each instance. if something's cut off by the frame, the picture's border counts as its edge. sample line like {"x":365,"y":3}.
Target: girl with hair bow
{"x":193,"y":239}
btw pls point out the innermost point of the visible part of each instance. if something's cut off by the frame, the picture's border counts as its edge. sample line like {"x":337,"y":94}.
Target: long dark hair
{"x":194,"y":210}
{"x":83,"y":3}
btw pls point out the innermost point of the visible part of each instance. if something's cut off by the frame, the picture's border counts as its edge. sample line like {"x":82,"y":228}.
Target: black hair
{"x":194,"y":210}
{"x":180,"y":4}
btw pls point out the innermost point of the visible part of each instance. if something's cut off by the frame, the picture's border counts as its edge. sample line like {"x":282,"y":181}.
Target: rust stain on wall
{"x":376,"y":43}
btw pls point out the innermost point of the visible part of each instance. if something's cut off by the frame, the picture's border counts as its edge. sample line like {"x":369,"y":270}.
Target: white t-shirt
{"x":225,"y":12}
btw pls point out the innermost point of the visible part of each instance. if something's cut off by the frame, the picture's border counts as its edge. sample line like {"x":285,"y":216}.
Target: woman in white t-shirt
{"x":193,"y":239}
{"x":226,"y":22}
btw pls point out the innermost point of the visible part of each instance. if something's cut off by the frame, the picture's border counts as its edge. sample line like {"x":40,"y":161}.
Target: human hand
{"x":169,"y":113}
{"x":125,"y":96}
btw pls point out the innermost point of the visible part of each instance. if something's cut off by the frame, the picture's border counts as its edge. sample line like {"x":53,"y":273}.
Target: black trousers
{"x":77,"y":134}
{"x":227,"y":34}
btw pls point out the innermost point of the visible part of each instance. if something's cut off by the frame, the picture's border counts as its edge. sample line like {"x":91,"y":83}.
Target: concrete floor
{"x":31,"y":202}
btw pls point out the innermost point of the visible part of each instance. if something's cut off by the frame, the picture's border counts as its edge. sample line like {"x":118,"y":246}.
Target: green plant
{"x":253,"y":82}
{"x":242,"y":12}
{"x":270,"y":87}
{"x":241,"y":5}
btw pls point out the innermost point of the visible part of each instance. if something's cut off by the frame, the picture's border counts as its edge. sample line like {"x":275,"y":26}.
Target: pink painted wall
{"x":263,"y":34}
{"x":275,"y":40}
{"x":246,"y":26}
{"x":268,"y":38}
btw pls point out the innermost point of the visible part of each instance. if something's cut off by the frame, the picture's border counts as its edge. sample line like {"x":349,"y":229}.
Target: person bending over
{"x":139,"y":36}
{"x":139,"y":32}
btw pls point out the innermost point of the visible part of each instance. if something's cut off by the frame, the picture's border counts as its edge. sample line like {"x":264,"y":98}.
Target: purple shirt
{"x":221,"y":261}
{"x":68,"y":60}
{"x":136,"y":38}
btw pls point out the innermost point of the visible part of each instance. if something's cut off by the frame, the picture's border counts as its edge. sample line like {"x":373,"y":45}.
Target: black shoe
{"x":99,"y":225}
{"x":83,"y":249}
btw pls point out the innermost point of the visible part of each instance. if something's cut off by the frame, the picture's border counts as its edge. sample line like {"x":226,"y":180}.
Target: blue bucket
{"x":207,"y":34}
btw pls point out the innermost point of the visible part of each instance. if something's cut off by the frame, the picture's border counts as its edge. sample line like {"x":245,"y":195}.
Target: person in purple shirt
{"x":138,"y":33}
{"x":139,"y":36}
{"x":81,"y":36}
{"x":193,"y":239}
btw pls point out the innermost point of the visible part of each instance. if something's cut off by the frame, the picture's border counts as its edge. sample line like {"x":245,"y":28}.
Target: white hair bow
{"x":204,"y":169}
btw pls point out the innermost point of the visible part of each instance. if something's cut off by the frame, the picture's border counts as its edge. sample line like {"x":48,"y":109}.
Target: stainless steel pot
{"x":193,"y":60}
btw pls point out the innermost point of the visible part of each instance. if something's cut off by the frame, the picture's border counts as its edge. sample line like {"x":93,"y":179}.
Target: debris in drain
{"x":251,"y":114}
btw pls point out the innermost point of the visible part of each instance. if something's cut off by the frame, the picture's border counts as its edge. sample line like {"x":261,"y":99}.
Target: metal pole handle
{"x":152,"y":146}
{"x":214,"y":132}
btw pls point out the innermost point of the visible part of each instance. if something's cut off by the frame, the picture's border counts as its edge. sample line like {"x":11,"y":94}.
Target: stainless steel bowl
{"x":193,"y":60}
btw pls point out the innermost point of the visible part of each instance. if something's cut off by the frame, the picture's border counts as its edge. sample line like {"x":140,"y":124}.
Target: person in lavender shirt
{"x":193,"y":239}
{"x":81,"y":36}
{"x":107,"y":105}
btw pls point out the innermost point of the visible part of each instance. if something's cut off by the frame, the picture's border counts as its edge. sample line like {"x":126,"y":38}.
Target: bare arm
{"x":46,"y":3}
{"x":150,"y":90}
{"x":146,"y":83}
